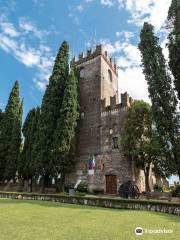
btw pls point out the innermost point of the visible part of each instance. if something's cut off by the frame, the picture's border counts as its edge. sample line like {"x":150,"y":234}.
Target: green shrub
{"x":67,"y":187}
{"x":83,"y":187}
{"x":158,"y":188}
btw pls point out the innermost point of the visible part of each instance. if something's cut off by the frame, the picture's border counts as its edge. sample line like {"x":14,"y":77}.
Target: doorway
{"x":111,"y":184}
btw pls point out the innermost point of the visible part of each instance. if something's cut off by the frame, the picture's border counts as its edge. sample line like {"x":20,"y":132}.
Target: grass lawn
{"x":38,"y":220}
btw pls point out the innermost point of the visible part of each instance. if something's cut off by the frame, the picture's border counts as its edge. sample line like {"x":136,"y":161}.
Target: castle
{"x":101,"y":162}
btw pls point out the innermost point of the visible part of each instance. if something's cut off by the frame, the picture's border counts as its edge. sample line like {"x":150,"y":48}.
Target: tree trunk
{"x":30,"y":185}
{"x":179,"y":175}
{"x":45,"y":181}
{"x":147,"y":184}
{"x":178,"y":19}
{"x":60,"y":183}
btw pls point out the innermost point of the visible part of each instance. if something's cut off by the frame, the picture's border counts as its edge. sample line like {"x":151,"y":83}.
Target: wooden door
{"x":111,"y":184}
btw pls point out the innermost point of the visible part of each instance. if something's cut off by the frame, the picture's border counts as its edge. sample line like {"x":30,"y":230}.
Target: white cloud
{"x":128,"y":60}
{"x":125,"y":34}
{"x":108,"y":3}
{"x":40,"y":85}
{"x":40,"y":57}
{"x":29,"y":27}
{"x":153,"y":11}
{"x":80,"y":8}
{"x":132,"y":80}
{"x":165,"y":49}
{"x":7,"y":28}
{"x":128,"y":35}
{"x":74,"y":18}
{"x":159,"y":13}
{"x":111,"y":48}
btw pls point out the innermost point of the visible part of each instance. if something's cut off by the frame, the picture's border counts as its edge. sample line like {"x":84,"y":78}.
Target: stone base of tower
{"x":110,"y":171}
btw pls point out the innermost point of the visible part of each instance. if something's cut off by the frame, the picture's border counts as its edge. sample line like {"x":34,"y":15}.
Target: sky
{"x":31,"y":33}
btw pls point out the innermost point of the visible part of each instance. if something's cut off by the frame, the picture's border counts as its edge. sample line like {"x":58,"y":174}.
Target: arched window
{"x":110,"y":75}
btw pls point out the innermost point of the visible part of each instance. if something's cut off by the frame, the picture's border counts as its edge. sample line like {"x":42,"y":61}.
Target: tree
{"x":51,"y":103}
{"x":162,"y":95}
{"x":10,"y":137}
{"x":174,"y":42}
{"x":1,"y":146}
{"x":66,"y":127}
{"x":26,"y":168}
{"x":1,"y":115}
{"x":139,"y":140}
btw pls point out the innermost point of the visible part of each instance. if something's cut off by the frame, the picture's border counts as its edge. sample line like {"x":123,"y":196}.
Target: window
{"x":110,"y":75}
{"x":110,"y":131}
{"x":82,"y":115}
{"x":115,"y":142}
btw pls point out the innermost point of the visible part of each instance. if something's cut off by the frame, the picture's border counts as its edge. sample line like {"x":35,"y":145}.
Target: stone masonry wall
{"x":102,"y":118}
{"x":163,"y":207}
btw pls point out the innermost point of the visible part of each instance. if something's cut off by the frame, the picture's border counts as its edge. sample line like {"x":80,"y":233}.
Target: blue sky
{"x":32,"y":31}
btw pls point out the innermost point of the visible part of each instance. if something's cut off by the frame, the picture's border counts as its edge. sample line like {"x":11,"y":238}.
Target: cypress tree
{"x":14,"y":150}
{"x":10,"y":138}
{"x":174,"y":42}
{"x":161,"y":93}
{"x":66,"y":128}
{"x":26,"y":170}
{"x":51,"y":103}
{"x":1,"y":116}
{"x":1,"y":146}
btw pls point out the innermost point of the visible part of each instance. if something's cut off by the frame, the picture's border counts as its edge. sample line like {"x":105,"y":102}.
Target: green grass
{"x":38,"y":220}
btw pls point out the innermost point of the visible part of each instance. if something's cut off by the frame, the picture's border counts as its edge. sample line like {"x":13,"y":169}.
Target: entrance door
{"x":111,"y":184}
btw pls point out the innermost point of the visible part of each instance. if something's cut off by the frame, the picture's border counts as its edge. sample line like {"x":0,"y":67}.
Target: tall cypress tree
{"x":26,"y":169}
{"x":66,"y":128}
{"x":1,"y":118}
{"x":1,"y":115}
{"x":51,"y":103}
{"x":161,"y":94}
{"x":1,"y":146}
{"x":10,"y":138}
{"x":174,"y":42}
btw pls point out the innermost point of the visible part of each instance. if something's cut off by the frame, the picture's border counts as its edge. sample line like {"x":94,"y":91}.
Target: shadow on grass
{"x":170,"y":217}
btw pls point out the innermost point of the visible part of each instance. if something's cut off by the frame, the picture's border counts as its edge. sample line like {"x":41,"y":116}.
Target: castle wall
{"x":112,"y":127}
{"x":88,"y":137}
{"x":101,"y":123}
{"x":109,"y":87}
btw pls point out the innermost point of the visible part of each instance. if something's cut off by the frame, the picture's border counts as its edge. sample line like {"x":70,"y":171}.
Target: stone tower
{"x":100,"y":160}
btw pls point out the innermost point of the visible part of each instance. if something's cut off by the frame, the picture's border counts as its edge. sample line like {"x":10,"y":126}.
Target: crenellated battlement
{"x":98,"y":51}
{"x":114,"y":107}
